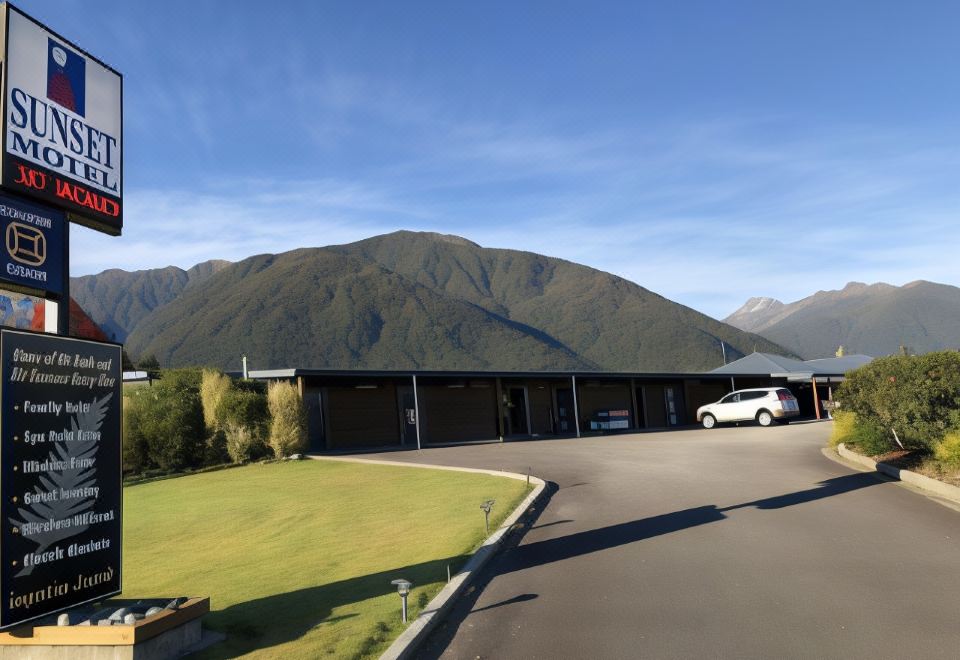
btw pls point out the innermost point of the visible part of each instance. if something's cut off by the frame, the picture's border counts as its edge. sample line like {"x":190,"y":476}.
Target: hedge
{"x":916,"y":396}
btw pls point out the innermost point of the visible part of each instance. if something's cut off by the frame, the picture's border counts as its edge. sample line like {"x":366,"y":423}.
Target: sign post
{"x":61,"y":115}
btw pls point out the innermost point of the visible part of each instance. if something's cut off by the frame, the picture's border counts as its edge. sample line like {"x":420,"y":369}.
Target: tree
{"x":150,"y":364}
{"x":125,"y":361}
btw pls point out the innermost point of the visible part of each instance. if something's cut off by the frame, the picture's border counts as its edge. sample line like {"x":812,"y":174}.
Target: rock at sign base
{"x":176,"y":603}
{"x":117,"y":616}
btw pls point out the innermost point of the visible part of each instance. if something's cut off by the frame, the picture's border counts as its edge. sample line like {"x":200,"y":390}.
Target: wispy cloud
{"x":236,"y":220}
{"x":705,"y":211}
{"x":706,"y":224}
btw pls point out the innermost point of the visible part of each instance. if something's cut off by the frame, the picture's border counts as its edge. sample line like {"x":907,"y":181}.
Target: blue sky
{"x":709,"y":151}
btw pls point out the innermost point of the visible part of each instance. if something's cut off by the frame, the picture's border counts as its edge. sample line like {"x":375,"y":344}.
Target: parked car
{"x":764,"y":404}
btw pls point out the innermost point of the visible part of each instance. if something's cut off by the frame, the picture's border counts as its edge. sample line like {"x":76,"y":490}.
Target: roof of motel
{"x":755,"y":364}
{"x":778,"y":366}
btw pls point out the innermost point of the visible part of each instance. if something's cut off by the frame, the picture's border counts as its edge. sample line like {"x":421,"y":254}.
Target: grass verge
{"x":297,"y":557}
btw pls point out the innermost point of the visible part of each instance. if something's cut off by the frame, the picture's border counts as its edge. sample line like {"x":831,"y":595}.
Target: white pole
{"x":576,"y":412}
{"x":416,"y":410}
{"x":246,"y":374}
{"x":51,"y":316}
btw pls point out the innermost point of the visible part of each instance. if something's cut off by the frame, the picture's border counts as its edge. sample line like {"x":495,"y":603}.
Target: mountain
{"x":429,"y":301}
{"x":754,"y":314}
{"x":117,"y":300}
{"x":874,"y":319}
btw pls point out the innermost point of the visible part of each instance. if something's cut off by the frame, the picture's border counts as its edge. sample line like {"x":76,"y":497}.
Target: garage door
{"x":457,"y":414}
{"x":362,"y":417}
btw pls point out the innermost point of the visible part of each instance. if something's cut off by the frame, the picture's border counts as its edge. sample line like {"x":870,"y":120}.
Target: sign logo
{"x":66,"y":77}
{"x":33,"y":236}
{"x":26,"y":244}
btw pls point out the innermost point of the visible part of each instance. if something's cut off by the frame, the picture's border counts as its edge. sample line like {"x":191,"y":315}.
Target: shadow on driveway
{"x":521,"y":557}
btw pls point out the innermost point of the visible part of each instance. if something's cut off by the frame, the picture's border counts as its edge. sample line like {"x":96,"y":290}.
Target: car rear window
{"x":784,"y":393}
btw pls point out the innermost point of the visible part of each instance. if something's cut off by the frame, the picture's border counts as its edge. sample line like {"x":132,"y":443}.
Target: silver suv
{"x":764,"y":404}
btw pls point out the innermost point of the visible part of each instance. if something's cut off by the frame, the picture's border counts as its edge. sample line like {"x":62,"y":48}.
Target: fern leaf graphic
{"x":67,"y":479}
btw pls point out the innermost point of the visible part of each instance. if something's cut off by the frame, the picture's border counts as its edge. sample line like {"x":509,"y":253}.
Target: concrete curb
{"x":938,"y":488}
{"x":417,"y":631}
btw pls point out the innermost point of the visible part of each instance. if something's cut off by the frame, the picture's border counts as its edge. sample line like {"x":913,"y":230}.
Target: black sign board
{"x":60,"y":474}
{"x":34,"y":247}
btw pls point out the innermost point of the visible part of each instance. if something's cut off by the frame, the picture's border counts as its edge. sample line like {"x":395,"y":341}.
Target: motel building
{"x":353,"y":410}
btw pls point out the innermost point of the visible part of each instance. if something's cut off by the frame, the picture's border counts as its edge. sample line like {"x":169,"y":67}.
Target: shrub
{"x":870,"y":438}
{"x":241,"y":442}
{"x":288,"y":425}
{"x":166,"y":426}
{"x":919,"y":396}
{"x":948,"y":451}
{"x":182,"y":379}
{"x":134,"y":444}
{"x":844,"y":424}
{"x":215,"y":448}
{"x":244,"y":410}
{"x":214,"y":386}
{"x":255,"y":386}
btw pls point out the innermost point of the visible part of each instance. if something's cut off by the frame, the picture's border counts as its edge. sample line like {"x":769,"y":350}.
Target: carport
{"x":811,"y":381}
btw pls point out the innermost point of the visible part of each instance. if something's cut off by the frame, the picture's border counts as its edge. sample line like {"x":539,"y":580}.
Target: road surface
{"x":739,"y":542}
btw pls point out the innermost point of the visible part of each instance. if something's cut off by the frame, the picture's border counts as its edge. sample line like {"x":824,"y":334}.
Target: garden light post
{"x":403,"y":588}
{"x":487,"y":506}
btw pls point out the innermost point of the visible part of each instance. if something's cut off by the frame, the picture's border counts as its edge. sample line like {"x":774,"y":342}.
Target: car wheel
{"x":709,"y":421}
{"x":764,"y":418}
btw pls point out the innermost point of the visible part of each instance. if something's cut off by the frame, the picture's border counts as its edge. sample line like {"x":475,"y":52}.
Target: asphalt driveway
{"x":732,"y":543}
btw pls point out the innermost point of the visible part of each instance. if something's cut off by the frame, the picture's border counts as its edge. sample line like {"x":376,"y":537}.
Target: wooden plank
{"x":115,"y":635}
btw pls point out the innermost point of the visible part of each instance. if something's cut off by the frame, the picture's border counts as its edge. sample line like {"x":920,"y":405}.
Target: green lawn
{"x":297,"y":557}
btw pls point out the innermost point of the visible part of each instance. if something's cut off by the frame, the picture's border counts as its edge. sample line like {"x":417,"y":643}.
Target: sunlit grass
{"x":297,"y":557}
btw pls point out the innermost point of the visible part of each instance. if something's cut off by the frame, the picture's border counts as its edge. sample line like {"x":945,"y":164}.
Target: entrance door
{"x":408,"y":415}
{"x":641,"y":412}
{"x":518,"y":417}
{"x":315,"y":422}
{"x":565,"y":416}
{"x":673,"y":398}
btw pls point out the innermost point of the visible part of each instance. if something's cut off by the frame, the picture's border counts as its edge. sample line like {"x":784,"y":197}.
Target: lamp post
{"x":487,"y":506}
{"x":403,"y":588}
